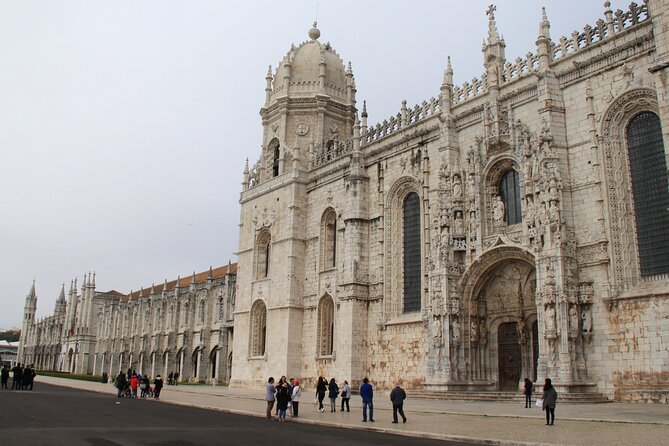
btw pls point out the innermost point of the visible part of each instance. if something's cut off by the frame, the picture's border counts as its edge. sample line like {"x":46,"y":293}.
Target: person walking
{"x":269,"y":396}
{"x":176,"y":379}
{"x":333,"y":389}
{"x":157,"y":387}
{"x":550,"y":398}
{"x":120,"y":383}
{"x":17,"y":371}
{"x":134,"y":383}
{"x":367,"y":395}
{"x":345,"y":396}
{"x":528,"y":393}
{"x":145,"y":386}
{"x":170,"y":378}
{"x":282,"y":398}
{"x":5,"y":376}
{"x":321,"y":387}
{"x":397,"y":397}
{"x":295,"y":398}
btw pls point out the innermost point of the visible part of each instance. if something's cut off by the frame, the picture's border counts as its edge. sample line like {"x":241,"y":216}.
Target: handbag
{"x":540,"y":403}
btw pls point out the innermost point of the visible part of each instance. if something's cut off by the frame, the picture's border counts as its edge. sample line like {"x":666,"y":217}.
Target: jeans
{"x":345,"y":401}
{"x":365,"y":404}
{"x":528,"y":399}
{"x":550,"y":414}
{"x":333,"y":404}
{"x":282,"y":414}
{"x":320,"y":400}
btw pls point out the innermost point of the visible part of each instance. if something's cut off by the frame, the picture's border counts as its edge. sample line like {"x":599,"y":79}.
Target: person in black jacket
{"x":321,"y":387}
{"x":282,"y":398}
{"x":333,"y":388}
{"x":157,"y":386}
{"x":397,"y":396}
{"x":528,"y":393}
{"x":17,"y":373}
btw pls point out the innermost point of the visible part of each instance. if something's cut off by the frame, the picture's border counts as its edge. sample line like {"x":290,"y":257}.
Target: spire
{"x":62,"y":293}
{"x":448,"y":73}
{"x":153,"y":289}
{"x":193,"y":280}
{"x":31,"y":294}
{"x":493,"y":35}
{"x":363,"y":123}
{"x":545,"y":26}
{"x":544,"y":42}
{"x":93,"y":283}
{"x":178,"y":285}
{"x":268,"y":86}
{"x":210,"y":276}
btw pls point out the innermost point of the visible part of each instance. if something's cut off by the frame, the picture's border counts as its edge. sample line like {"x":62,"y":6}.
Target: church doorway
{"x":510,"y":358}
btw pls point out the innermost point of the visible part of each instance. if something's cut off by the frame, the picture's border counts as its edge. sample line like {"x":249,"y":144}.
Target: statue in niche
{"x":457,"y":187}
{"x":459,"y":225}
{"x":473,"y":223}
{"x":573,"y":319}
{"x":550,"y":319}
{"x":543,"y":215}
{"x":498,"y":211}
{"x":553,"y":189}
{"x":522,"y":333}
{"x":471,"y":188}
{"x":474,"y":330}
{"x":483,"y":332}
{"x":586,"y":320}
{"x":553,"y":212}
{"x":456,"y":332}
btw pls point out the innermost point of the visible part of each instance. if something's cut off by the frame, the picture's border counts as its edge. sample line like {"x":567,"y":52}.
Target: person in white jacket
{"x":295,"y":398}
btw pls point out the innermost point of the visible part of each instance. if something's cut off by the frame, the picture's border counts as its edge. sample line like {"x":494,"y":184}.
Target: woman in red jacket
{"x":134,"y":383}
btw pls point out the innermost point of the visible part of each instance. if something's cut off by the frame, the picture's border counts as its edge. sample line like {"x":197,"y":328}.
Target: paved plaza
{"x":490,"y":422}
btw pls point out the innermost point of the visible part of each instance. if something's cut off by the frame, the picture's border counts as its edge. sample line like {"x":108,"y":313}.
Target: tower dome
{"x":302,"y":67}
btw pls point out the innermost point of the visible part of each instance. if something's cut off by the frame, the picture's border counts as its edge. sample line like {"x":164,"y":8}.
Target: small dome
{"x":305,"y":63}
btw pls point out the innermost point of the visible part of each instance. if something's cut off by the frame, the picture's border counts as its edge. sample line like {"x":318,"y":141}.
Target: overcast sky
{"x":124,"y":125}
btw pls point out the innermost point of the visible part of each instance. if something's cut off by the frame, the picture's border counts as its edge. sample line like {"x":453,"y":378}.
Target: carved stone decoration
{"x":498,"y":212}
{"x":437,"y":338}
{"x":573,"y":322}
{"x":302,"y":129}
{"x":551,"y":327}
{"x":455,"y":343}
{"x":474,"y":330}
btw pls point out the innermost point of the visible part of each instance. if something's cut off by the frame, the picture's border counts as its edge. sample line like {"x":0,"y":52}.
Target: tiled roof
{"x":201,"y":277}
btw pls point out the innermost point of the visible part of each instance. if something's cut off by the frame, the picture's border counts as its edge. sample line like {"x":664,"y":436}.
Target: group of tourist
{"x":287,"y":394}
{"x":127,"y":387}
{"x":22,"y":377}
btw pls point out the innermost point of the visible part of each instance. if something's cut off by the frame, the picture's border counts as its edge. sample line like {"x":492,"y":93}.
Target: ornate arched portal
{"x":499,"y":316}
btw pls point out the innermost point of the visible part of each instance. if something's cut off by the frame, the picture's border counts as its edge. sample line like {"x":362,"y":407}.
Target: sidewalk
{"x":496,"y":423}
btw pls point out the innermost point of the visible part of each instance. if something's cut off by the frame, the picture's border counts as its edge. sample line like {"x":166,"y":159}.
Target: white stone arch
{"x":393,"y":244}
{"x":262,"y":253}
{"x":619,"y":204}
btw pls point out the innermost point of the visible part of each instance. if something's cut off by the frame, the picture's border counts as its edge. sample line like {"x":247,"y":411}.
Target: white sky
{"x":124,"y":125}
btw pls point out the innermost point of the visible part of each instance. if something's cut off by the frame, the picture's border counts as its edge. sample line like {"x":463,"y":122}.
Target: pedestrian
{"x":367,"y":395}
{"x":282,"y":381}
{"x":321,"y":387}
{"x":333,"y":389}
{"x":528,"y":393}
{"x":29,"y":377}
{"x":550,"y":398}
{"x":17,"y":371}
{"x":295,"y":398}
{"x":134,"y":383}
{"x":5,"y":376}
{"x":282,"y":398}
{"x":145,"y":386}
{"x":170,"y":377}
{"x":157,"y":387}
{"x":269,"y":396}
{"x":345,"y":396}
{"x":176,"y":379}
{"x":120,"y":383}
{"x":291,"y":384}
{"x":397,"y":397}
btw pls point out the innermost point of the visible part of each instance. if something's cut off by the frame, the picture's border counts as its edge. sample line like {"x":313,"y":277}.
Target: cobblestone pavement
{"x":498,"y":423}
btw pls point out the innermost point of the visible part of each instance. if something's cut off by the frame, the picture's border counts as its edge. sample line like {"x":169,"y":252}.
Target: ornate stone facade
{"x":184,"y":326}
{"x":527,"y":241}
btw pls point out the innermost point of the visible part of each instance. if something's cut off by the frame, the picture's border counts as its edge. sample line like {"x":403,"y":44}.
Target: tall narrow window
{"x":412,"y":253}
{"x":648,"y":170}
{"x":329,"y":239}
{"x":263,"y":254}
{"x":509,"y":190}
{"x":325,"y":326}
{"x":258,"y":328}
{"x":275,"y":163}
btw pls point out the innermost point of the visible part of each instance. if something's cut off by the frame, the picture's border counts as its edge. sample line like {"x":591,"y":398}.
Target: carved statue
{"x":498,"y":211}
{"x":459,"y":225}
{"x":586,"y":320}
{"x":483,"y":330}
{"x":550,"y":319}
{"x":456,"y":332}
{"x":437,"y":336}
{"x":471,"y":188}
{"x":474,"y":330}
{"x":457,"y":187}
{"x":573,"y":319}
{"x":553,"y":212}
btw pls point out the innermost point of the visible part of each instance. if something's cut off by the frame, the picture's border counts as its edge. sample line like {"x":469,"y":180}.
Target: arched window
{"x":412,"y":253}
{"x":258,"y":329}
{"x":262,"y":254}
{"x":509,"y":190}
{"x":325,"y":326}
{"x":650,"y":191}
{"x":329,"y":239}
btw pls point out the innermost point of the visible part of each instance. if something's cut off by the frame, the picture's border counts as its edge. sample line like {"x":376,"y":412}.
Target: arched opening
{"x":263,"y":254}
{"x":509,"y":191}
{"x":650,"y":191}
{"x":213,"y":363}
{"x":258,"y":330}
{"x":412,"y":253}
{"x":326,"y":326}
{"x":329,"y":239}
